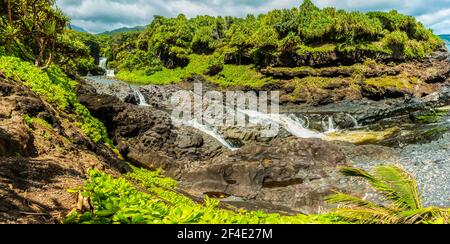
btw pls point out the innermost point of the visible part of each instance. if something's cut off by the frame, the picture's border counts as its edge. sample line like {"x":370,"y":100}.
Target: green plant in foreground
{"x":145,"y":197}
{"x":399,"y":189}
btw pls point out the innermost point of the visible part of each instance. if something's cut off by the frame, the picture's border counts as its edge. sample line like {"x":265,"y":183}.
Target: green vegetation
{"x":163,"y":76}
{"x":240,"y":75}
{"x":53,"y":85}
{"x":168,"y":48}
{"x":400,"y":192}
{"x":397,"y":82}
{"x":228,"y":75}
{"x":31,"y":121}
{"x":36,"y":31}
{"x":147,"y":197}
{"x":433,"y":116}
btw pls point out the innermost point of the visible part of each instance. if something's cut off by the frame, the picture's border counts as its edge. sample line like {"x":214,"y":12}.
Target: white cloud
{"x":101,"y":15}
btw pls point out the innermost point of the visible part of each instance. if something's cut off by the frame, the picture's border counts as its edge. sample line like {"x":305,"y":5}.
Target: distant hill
{"x":123,"y":29}
{"x":77,"y":28}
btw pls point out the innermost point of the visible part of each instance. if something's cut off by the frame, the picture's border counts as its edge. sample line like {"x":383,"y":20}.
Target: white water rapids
{"x":140,"y":98}
{"x":102,"y":64}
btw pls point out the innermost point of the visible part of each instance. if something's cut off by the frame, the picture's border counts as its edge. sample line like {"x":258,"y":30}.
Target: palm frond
{"x":401,"y":192}
{"x":398,"y":186}
{"x":392,"y":182}
{"x":425,"y":215}
{"x":349,"y":201}
{"x":356,"y":172}
{"x":368,"y":215}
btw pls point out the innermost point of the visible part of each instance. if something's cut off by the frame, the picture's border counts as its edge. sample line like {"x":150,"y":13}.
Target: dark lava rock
{"x":146,"y":135}
{"x":292,"y":172}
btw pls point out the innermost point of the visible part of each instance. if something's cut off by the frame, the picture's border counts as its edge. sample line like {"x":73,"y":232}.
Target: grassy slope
{"x":55,"y":87}
{"x":232,"y":75}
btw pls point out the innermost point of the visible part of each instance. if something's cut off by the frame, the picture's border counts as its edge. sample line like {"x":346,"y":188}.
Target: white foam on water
{"x":140,"y":98}
{"x":329,"y":125}
{"x":294,"y":126}
{"x":211,"y":131}
{"x":102,"y":64}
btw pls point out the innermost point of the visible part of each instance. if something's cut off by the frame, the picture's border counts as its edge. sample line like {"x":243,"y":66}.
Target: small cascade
{"x":329,"y":125}
{"x":102,"y":64}
{"x":140,"y":98}
{"x":110,"y":73}
{"x":211,"y":131}
{"x":291,"y":123}
{"x":356,"y":125}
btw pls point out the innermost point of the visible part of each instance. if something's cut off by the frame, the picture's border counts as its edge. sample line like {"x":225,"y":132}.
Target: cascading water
{"x":328,"y":125}
{"x":110,"y":73}
{"x":102,"y":64}
{"x":291,"y":123}
{"x":355,"y":121}
{"x":294,"y":126}
{"x":211,"y":131}
{"x":140,"y":98}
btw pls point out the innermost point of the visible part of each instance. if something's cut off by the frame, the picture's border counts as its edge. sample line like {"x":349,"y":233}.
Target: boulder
{"x":285,"y":171}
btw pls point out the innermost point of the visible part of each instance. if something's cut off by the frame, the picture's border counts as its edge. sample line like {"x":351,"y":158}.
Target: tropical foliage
{"x":401,"y":202}
{"x":55,"y":87}
{"x":144,"y":197}
{"x":304,"y":36}
{"x":36,"y":31}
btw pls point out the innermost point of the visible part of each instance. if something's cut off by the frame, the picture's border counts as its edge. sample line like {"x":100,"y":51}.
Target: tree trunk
{"x":9,"y":12}
{"x":41,"y":47}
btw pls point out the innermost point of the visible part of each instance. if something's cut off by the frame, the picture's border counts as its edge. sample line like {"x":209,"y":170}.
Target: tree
{"x":9,"y":12}
{"x":308,"y":6}
{"x":399,"y":190}
{"x":35,"y":26}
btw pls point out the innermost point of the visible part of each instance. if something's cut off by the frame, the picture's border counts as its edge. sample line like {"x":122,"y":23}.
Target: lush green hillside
{"x":304,"y":36}
{"x":123,"y":30}
{"x":77,"y":28}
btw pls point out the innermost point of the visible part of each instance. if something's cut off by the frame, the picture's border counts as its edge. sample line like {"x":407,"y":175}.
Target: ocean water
{"x":446,"y":38}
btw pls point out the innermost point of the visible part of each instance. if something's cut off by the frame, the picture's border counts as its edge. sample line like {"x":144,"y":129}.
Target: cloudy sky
{"x":101,"y":15}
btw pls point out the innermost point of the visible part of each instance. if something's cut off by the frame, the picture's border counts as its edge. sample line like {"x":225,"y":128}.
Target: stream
{"x":421,"y":148}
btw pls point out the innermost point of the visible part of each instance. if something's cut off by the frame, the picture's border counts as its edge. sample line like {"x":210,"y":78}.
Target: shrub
{"x":55,"y":87}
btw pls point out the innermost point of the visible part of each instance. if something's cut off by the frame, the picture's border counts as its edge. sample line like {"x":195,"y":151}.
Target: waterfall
{"x":354,"y":120}
{"x":328,"y":125}
{"x":140,"y":98}
{"x":289,"y":122}
{"x":211,"y":131}
{"x":102,"y":64}
{"x":110,"y":73}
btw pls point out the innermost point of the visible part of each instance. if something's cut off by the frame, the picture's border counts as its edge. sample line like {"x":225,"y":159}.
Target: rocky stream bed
{"x":286,"y":171}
